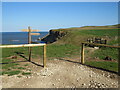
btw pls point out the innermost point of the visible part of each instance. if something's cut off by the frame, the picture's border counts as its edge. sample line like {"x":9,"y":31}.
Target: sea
{"x":20,"y":37}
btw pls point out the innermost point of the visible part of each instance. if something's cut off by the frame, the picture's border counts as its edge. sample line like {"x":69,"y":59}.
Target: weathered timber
{"x":29,"y":42}
{"x":103,"y":45}
{"x":22,"y":45}
{"x":27,"y":30}
{"x":82,"y":54}
{"x":44,"y":56}
{"x":34,"y":33}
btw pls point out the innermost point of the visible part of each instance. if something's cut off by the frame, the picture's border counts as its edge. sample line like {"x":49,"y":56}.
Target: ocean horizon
{"x":19,"y":37}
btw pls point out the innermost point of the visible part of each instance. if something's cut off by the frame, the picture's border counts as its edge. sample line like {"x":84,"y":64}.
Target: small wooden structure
{"x":86,"y":43}
{"x":29,"y":45}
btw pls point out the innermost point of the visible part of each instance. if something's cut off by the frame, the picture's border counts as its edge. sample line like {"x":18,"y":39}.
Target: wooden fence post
{"x":82,"y":54}
{"x":44,"y":56}
{"x":29,"y":42}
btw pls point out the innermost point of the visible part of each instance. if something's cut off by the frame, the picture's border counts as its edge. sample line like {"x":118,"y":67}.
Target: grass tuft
{"x":26,"y":73}
{"x":10,"y":73}
{"x":21,"y":68}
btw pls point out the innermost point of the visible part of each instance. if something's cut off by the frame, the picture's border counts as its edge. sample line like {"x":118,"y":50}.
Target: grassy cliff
{"x":77,"y":35}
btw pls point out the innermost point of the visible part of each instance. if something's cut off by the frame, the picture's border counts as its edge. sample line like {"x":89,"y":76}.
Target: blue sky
{"x":52,"y":15}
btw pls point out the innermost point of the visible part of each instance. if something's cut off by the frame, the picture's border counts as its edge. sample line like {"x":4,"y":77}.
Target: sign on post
{"x":29,"y":38}
{"x":27,"y":30}
{"x":34,"y":33}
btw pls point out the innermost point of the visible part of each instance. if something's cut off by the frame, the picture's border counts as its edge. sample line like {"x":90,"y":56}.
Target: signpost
{"x":27,"y":30}
{"x":34,"y":33}
{"x":30,"y":39}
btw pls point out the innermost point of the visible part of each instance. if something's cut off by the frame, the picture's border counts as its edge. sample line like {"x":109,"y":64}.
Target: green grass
{"x":108,"y":32}
{"x":53,"y":50}
{"x":75,"y":37}
{"x":5,"y":60}
{"x":112,"y":66}
{"x":10,"y":65}
{"x":26,"y":73}
{"x":10,"y":73}
{"x":21,"y":68}
{"x":103,"y":52}
{"x":113,"y":42}
{"x":26,"y":65}
{"x":62,"y":50}
{"x":7,"y":52}
{"x":56,"y":50}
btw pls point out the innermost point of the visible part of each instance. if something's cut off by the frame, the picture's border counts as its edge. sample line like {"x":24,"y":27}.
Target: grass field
{"x":103,"y":52}
{"x":53,"y":50}
{"x":112,"y":66}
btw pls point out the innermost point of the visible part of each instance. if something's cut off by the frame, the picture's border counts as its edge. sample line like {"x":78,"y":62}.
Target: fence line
{"x":103,"y":45}
{"x":22,"y":45}
{"x":29,"y":45}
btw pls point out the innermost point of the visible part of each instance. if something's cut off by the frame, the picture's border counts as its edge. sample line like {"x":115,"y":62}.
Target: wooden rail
{"x":103,"y":45}
{"x":22,"y":45}
{"x":29,"y":45}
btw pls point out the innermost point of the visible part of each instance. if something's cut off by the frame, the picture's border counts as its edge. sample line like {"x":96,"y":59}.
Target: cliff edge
{"x":54,"y":35}
{"x":78,"y":34}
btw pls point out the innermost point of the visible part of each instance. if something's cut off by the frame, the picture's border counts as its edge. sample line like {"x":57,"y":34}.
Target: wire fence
{"x":100,"y":55}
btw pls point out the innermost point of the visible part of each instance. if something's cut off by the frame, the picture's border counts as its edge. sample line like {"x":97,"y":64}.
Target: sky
{"x":60,"y":0}
{"x":53,"y":15}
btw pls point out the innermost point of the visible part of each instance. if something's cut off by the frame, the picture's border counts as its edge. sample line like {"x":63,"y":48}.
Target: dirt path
{"x":62,"y":74}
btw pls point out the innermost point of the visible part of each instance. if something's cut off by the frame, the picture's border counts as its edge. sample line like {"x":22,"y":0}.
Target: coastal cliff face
{"x":54,"y":35}
{"x":77,"y":34}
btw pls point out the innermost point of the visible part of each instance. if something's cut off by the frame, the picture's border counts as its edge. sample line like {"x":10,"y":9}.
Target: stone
{"x":83,"y":84}
{"x":55,"y":59}
{"x":53,"y":84}
{"x":96,"y":47}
